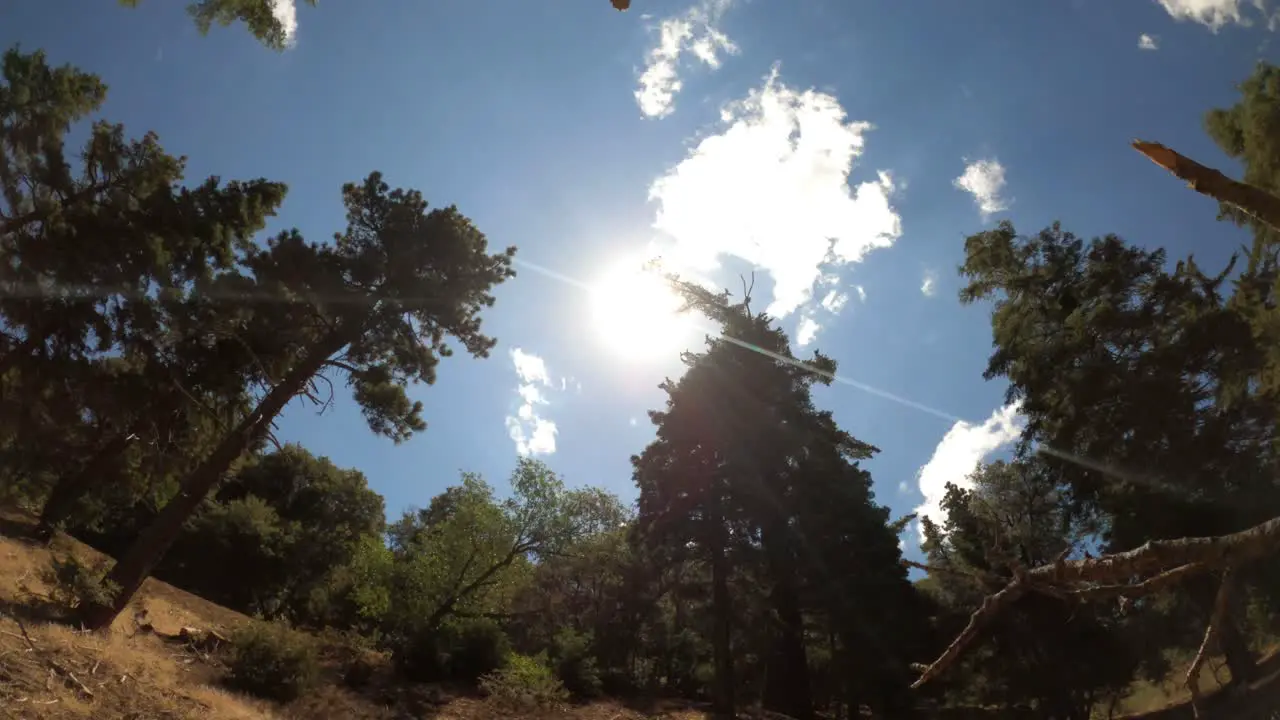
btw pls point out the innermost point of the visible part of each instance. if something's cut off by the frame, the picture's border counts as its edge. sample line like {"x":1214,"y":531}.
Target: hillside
{"x":143,"y":668}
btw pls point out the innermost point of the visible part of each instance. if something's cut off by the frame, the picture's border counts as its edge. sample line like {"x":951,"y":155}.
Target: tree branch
{"x":1146,"y":587}
{"x":991,"y":606}
{"x":1163,"y":562}
{"x":341,"y":366}
{"x":1220,"y":604}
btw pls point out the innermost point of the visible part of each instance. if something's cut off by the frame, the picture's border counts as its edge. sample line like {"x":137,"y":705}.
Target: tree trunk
{"x":787,"y":684}
{"x":722,"y":632}
{"x":69,"y":488}
{"x":140,"y":559}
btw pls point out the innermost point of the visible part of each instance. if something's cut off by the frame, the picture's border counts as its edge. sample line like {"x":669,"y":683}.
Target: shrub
{"x":463,"y":651}
{"x":271,"y":660}
{"x":72,"y":583}
{"x":476,"y":648}
{"x":524,"y":684}
{"x":420,"y":656}
{"x":574,"y":664}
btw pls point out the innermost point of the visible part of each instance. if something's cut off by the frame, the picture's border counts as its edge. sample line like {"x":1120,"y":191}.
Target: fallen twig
{"x":12,"y":634}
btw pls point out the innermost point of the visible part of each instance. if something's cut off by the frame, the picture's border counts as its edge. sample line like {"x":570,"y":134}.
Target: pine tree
{"x":378,"y":305}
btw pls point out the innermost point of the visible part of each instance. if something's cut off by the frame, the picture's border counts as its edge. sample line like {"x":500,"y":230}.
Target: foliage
{"x":1013,"y":519}
{"x":378,"y":304}
{"x":259,"y":17}
{"x":462,"y":650}
{"x":73,"y":583}
{"x":273,"y":661}
{"x":278,"y":537}
{"x":575,"y":666}
{"x":525,"y":683}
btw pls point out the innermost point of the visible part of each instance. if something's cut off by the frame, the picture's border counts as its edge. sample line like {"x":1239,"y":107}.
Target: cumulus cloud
{"x":772,"y":188}
{"x":695,"y":32}
{"x":835,"y":301}
{"x":957,"y":456}
{"x":807,"y":330}
{"x":286,"y":13}
{"x":1212,"y":13}
{"x":984,"y":179}
{"x":532,"y":433}
{"x":1148,"y":42}
{"x":929,"y":285}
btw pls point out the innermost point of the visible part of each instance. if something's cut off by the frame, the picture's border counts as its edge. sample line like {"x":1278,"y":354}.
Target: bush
{"x":459,"y":651}
{"x":72,"y":583}
{"x":477,"y":648}
{"x":420,"y":657}
{"x":271,"y":660}
{"x":524,"y":684}
{"x":574,"y":664}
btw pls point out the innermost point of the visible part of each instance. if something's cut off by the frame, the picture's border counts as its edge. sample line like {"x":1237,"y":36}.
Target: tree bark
{"x":1254,"y":201}
{"x":156,"y":539}
{"x":723,"y":704}
{"x":69,"y":488}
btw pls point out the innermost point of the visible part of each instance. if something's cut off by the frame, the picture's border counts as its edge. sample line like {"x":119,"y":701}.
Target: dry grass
{"x":138,"y":670}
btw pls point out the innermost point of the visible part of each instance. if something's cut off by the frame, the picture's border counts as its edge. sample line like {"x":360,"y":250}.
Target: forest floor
{"x":142,"y":670}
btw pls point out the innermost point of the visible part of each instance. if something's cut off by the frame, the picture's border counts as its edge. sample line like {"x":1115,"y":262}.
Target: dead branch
{"x":1220,"y":604}
{"x":1163,"y":562}
{"x":991,"y":606}
{"x":1136,"y":590}
{"x":1254,"y":201}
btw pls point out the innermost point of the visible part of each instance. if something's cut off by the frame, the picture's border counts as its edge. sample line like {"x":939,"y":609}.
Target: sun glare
{"x":636,"y":314}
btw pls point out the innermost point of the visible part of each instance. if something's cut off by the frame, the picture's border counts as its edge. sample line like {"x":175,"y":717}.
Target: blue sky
{"x":725,"y":135}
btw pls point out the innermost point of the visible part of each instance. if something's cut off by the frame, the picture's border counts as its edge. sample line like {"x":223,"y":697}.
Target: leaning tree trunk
{"x":723,"y":704}
{"x":141,"y":558}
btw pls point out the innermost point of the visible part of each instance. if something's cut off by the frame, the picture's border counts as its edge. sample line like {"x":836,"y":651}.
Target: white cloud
{"x":286,"y":13}
{"x":772,"y":188}
{"x":904,"y":486}
{"x":929,"y":286}
{"x":862,"y":293}
{"x":1213,"y":13}
{"x":958,"y":454}
{"x":1148,"y":42}
{"x":835,"y":301}
{"x":693,"y":31}
{"x":984,"y":179}
{"x":807,"y":330}
{"x":532,"y":433}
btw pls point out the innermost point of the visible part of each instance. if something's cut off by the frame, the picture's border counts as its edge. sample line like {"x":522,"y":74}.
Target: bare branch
{"x":1146,"y":587}
{"x":1163,"y":562}
{"x":991,"y":606}
{"x":1220,"y":604}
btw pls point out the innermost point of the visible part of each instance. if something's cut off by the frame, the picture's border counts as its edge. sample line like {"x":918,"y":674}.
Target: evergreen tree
{"x":378,"y":305}
{"x":1128,"y":374}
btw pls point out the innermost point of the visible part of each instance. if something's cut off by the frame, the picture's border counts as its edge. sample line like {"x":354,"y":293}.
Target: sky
{"x":840,"y":151}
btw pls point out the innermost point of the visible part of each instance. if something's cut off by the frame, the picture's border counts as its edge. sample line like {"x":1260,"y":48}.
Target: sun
{"x":637,"y":315}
